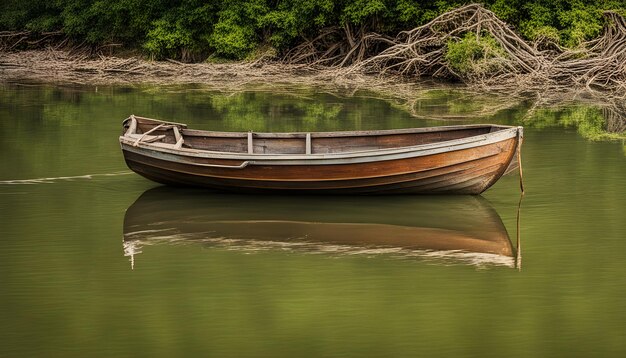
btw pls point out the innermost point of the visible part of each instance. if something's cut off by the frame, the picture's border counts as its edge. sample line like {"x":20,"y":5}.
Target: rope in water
{"x":520,"y":140}
{"x":518,"y":251}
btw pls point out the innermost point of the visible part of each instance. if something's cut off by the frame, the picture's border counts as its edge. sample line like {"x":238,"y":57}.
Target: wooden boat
{"x":464,"y":159}
{"x":459,"y":229}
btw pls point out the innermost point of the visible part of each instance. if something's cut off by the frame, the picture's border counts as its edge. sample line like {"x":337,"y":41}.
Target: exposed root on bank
{"x":422,"y":51}
{"x":599,"y":65}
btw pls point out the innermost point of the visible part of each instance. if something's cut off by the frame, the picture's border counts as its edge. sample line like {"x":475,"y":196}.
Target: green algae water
{"x":97,"y":261}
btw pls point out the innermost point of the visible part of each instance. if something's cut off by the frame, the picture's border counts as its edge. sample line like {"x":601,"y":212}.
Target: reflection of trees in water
{"x":615,"y":117}
{"x":296,"y":108}
{"x":596,"y":116}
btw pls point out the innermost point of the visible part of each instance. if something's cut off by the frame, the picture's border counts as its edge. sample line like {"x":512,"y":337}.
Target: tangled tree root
{"x":421,"y":51}
{"x":13,"y":40}
{"x":599,"y":66}
{"x":547,"y":73}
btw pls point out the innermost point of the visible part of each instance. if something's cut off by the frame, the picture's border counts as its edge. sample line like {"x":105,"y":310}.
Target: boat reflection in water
{"x":444,"y":229}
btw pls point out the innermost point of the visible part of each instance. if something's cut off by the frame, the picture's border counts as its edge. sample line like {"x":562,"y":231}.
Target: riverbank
{"x":68,"y":68}
{"x":63,"y":67}
{"x":59,"y":66}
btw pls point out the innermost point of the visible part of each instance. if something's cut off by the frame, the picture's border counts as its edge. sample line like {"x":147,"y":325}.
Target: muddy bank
{"x":59,"y":66}
{"x":65,"y":67}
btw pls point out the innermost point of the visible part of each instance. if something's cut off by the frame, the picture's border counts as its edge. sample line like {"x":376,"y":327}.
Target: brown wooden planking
{"x":440,"y":181}
{"x":280,"y":145}
{"x":277,"y":145}
{"x":343,"y":171}
{"x":333,"y":172}
{"x":347,"y":144}
{"x":352,"y":181}
{"x":433,"y":179}
{"x":362,"y":184}
{"x":231,"y":145}
{"x":475,"y":185}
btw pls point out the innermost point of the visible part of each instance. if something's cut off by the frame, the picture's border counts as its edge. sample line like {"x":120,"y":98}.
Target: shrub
{"x":473,"y":54}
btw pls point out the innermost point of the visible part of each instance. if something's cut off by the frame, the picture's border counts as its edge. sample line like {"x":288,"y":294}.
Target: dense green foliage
{"x":589,"y":121}
{"x":196,"y":29}
{"x":473,"y":54}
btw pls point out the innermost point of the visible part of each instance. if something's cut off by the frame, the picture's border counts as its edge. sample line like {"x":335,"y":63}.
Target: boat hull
{"x":467,"y":170}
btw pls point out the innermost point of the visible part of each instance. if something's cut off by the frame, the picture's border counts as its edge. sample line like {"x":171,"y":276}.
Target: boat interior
{"x":148,"y":130}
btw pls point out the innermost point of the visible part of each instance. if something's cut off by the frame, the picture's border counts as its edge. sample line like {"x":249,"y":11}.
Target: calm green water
{"x":260,"y":276}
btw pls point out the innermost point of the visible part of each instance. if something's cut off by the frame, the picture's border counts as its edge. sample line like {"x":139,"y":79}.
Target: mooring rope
{"x":520,"y":140}
{"x":55,"y":179}
{"x":518,"y":245}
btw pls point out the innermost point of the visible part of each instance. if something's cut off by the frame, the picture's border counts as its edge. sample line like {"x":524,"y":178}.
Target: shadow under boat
{"x":444,"y":229}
